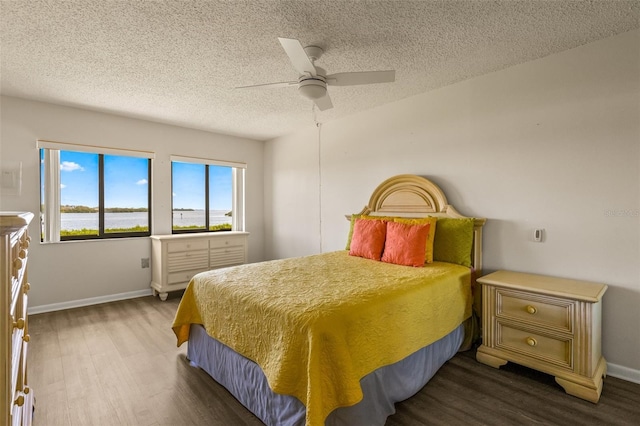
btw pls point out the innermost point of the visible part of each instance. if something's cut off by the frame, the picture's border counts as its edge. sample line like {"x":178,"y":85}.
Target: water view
{"x":186,"y":218}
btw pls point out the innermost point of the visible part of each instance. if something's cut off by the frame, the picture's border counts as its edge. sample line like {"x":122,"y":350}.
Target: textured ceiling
{"x":178,"y":61}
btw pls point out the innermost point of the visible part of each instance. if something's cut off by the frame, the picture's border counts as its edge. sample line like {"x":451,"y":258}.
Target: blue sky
{"x":126,"y":182}
{"x":188,"y":186}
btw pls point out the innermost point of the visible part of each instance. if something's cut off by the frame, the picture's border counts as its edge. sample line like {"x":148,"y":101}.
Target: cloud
{"x":70,"y":166}
{"x":62,"y":186}
{"x":141,"y":182}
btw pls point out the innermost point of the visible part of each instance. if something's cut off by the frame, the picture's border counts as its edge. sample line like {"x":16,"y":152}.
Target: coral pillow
{"x":428,"y":254}
{"x":355,"y":217}
{"x":406,"y":244}
{"x":368,"y":238}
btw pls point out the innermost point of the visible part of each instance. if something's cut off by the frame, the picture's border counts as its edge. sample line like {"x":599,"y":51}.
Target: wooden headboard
{"x":415,"y":196}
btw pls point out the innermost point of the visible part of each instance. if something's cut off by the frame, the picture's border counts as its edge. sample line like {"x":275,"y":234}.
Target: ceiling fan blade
{"x":324,"y":102}
{"x":298,"y":56}
{"x":365,"y":77}
{"x":270,"y":85}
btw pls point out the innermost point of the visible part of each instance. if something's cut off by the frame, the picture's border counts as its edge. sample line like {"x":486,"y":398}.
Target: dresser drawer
{"x":229,"y":256}
{"x":183,"y":276}
{"x":544,"y":311}
{"x":182,"y":261}
{"x":16,"y":356}
{"x":16,"y":414}
{"x":226,"y":242}
{"x":553,"y":350}
{"x":188,"y":245}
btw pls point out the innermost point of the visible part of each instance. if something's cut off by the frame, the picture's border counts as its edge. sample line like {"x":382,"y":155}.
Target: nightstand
{"x":549,"y":324}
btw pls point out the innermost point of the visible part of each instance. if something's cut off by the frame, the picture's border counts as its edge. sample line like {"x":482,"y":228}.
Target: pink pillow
{"x":406,"y":244}
{"x":368,"y":238}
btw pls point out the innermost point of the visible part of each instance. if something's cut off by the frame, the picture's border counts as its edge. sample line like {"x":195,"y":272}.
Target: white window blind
{"x":67,"y":146}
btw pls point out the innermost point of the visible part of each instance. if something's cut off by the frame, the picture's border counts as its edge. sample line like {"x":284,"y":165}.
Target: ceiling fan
{"x":313,"y":80}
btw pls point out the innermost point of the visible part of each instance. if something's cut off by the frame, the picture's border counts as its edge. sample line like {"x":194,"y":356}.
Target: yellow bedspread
{"x":316,"y":325}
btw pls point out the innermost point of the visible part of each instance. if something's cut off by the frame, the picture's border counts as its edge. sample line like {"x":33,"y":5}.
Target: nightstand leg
{"x":590,"y":390}
{"x":583,"y":392}
{"x":490,"y":360}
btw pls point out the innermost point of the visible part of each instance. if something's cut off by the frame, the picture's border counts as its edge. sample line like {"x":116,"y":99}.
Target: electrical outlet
{"x":538,"y":235}
{"x":144,"y":262}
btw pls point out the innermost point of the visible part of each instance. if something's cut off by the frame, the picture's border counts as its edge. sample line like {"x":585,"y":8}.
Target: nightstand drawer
{"x":549,"y":349}
{"x":540,"y":310}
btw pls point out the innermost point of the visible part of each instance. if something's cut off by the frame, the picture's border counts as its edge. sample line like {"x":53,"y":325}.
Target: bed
{"x":340,"y":337}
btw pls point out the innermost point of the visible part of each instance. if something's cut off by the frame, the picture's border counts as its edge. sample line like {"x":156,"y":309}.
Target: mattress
{"x":382,"y":388}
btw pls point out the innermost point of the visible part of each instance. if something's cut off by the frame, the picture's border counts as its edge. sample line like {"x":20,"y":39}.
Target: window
{"x":93,"y":192}
{"x":207,"y":195}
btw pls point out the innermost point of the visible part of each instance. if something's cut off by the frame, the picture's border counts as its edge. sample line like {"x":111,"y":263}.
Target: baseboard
{"x":624,"y":373}
{"x":88,"y":302}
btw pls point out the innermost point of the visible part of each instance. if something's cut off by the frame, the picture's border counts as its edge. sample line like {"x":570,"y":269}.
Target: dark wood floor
{"x":117,"y":364}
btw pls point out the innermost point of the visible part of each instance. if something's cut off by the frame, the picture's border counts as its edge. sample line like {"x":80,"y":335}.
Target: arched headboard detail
{"x":407,"y":194}
{"x":415,"y":196}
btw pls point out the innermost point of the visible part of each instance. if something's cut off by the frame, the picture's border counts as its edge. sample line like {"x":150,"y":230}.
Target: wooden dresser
{"x":15,"y":395}
{"x":545,"y":323}
{"x":176,"y":258}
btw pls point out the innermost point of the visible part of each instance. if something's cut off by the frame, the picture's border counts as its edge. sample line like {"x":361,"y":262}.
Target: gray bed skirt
{"x":382,"y":388}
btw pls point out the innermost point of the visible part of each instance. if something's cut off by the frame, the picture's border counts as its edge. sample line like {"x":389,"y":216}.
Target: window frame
{"x":50,"y":180}
{"x":237,"y":200}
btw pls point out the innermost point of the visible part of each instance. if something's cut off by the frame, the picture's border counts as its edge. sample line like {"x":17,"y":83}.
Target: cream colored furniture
{"x":545,"y":323}
{"x":15,"y":395}
{"x":176,"y":258}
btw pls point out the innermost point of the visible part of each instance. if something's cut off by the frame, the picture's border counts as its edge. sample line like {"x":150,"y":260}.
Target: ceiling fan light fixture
{"x":312,"y":88}
{"x":312,"y":80}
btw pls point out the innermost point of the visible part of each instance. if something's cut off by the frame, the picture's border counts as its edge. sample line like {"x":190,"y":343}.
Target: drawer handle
{"x":19,"y":324}
{"x":19,"y":401}
{"x":531,"y":309}
{"x":17,"y":263}
{"x":531,"y":341}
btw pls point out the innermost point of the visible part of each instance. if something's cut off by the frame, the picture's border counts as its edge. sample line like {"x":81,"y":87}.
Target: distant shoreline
{"x":86,"y":209}
{"x":127,"y":220}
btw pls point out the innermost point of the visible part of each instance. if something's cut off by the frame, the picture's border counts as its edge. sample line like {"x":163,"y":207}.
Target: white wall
{"x":553,"y":144}
{"x":72,"y":271}
{"x":291,"y":178}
